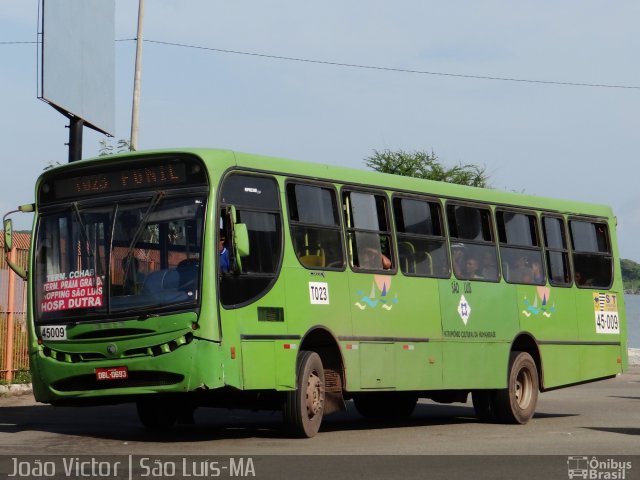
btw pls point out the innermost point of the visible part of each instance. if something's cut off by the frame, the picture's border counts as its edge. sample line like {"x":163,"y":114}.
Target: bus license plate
{"x":112,"y":373}
{"x":53,"y":332}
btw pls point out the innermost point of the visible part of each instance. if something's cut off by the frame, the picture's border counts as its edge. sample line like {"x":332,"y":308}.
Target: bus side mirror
{"x":241,"y":239}
{"x":8,"y":235}
{"x":240,"y":244}
{"x":8,"y":239}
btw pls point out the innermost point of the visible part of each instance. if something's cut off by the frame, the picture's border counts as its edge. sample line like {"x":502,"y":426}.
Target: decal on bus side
{"x":606,"y":312}
{"x":464,"y":309}
{"x":540,"y":303}
{"x":319,"y":293}
{"x":379,"y":294}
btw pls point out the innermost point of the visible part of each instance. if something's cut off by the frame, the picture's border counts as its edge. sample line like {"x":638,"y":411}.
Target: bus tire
{"x":156,"y":414}
{"x":484,"y":405}
{"x":385,"y":405}
{"x":517,"y":403}
{"x":304,"y":406}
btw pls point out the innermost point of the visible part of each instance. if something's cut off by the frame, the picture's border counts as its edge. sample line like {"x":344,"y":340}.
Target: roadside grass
{"x":20,"y":377}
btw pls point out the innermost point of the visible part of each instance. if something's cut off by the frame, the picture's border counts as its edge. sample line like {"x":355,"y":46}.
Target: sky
{"x":563,"y":141}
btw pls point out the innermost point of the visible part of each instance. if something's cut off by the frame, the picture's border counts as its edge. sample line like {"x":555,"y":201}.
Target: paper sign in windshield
{"x":67,"y":291}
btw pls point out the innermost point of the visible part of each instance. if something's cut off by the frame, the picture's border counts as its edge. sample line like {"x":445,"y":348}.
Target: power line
{"x":370,"y":67}
{"x":391,"y":69}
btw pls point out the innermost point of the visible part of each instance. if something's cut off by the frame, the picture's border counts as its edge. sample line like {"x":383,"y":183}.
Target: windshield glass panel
{"x":135,"y":256}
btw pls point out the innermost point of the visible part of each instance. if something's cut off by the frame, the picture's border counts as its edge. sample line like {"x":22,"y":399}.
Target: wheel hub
{"x":315,"y":395}
{"x":523,"y":387}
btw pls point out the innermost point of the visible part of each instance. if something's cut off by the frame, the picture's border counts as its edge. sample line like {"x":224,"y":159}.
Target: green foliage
{"x":630,"y":274}
{"x":51,"y":165}
{"x":20,"y":376}
{"x":421,"y":164}
{"x":106,"y":148}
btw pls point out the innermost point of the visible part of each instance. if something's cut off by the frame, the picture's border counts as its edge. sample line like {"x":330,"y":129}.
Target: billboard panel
{"x":78,"y":59}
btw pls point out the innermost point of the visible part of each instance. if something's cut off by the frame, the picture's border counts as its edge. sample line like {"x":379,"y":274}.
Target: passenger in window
{"x":583,"y":281}
{"x":224,"y":255}
{"x":536,"y":272}
{"x":374,"y":259}
{"x":457,"y":259}
{"x":472,"y":268}
{"x":521,"y":271}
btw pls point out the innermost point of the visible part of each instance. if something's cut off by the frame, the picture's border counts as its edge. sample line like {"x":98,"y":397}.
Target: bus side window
{"x":253,"y":203}
{"x":421,"y":242}
{"x":520,"y":248}
{"x":368,"y":232}
{"x":315,"y":226}
{"x":557,"y":252}
{"x":472,"y":242}
{"x":592,"y":259}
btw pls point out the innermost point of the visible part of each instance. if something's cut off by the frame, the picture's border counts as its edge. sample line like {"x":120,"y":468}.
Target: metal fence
{"x":14,"y":357}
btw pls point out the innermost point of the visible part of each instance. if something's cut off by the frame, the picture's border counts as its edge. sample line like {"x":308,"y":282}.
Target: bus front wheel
{"x":304,"y":406}
{"x":517,"y":403}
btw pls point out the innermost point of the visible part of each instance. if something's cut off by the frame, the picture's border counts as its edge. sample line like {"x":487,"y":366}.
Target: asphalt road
{"x":601,"y":418}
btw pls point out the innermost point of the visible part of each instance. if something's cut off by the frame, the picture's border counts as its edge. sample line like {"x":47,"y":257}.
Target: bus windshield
{"x":133,"y":256}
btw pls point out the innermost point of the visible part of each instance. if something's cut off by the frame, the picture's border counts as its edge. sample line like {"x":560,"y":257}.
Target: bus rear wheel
{"x":304,"y":407}
{"x":517,"y":403}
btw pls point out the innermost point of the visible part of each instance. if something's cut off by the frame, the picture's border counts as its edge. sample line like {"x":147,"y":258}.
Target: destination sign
{"x":151,"y":173}
{"x":121,"y":180}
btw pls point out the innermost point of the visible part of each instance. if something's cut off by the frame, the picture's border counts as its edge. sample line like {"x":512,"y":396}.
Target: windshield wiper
{"x":155,"y":200}
{"x":85,"y":237}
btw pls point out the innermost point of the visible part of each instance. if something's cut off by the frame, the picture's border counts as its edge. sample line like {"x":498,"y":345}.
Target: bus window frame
{"x":457,"y":240}
{"x":340,"y":227}
{"x":573,"y":252}
{"x":443,"y":226}
{"x":346,"y":189}
{"x":566,"y":250}
{"x":219,"y":206}
{"x":112,"y":201}
{"x":539,"y":248}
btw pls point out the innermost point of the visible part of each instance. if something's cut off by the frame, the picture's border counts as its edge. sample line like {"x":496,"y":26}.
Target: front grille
{"x":150,"y":351}
{"x":135,"y":379}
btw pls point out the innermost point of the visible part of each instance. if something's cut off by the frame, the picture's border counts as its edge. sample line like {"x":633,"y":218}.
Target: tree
{"x":630,"y":274}
{"x":51,"y":165}
{"x":421,"y":164}
{"x":107,"y":149}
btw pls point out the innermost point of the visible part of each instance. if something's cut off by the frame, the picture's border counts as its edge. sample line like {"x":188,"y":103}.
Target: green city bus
{"x":185,"y":278}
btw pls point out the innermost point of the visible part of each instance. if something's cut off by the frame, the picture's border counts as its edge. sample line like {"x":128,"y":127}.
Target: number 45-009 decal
{"x":606,"y":312}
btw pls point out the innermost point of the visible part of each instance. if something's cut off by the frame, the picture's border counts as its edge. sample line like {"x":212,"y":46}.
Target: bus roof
{"x":353,"y":176}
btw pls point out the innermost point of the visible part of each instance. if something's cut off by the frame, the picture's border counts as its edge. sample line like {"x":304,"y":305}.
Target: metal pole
{"x":136,"y":80}
{"x":75,"y":138}
{"x":8,"y":357}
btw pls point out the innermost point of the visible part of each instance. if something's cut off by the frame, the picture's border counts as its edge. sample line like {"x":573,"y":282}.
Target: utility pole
{"x":135,"y":110}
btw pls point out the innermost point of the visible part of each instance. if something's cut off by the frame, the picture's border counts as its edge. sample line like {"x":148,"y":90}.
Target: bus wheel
{"x":389,"y":405}
{"x":517,"y":403}
{"x":303,"y":407}
{"x":484,"y":405}
{"x":156,"y":414}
